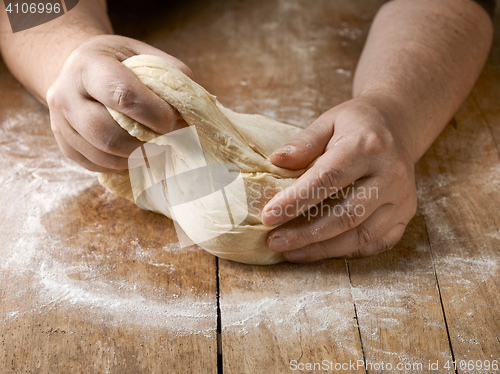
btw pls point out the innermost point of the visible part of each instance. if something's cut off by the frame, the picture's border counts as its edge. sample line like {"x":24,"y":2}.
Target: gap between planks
{"x":220,"y":362}
{"x":355,"y":311}
{"x":439,"y":289}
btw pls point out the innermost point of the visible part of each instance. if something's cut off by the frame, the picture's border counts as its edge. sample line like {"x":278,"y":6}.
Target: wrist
{"x":35,"y":56}
{"x":396,"y":120}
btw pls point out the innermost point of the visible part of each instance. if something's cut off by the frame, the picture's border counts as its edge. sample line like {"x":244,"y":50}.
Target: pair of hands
{"x":356,"y":199}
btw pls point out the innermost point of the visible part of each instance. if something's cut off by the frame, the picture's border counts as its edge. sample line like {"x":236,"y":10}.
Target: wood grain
{"x":458,"y":190}
{"x":91,"y":284}
{"x":274,"y":317}
{"x":458,"y":182}
{"x":398,"y":306}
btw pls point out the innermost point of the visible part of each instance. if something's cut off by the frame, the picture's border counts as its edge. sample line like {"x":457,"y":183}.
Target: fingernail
{"x":285,"y":149}
{"x":295,"y":255}
{"x":272,"y":216}
{"x":278,"y":244}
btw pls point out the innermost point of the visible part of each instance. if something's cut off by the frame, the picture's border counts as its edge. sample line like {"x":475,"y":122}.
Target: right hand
{"x":94,"y":77}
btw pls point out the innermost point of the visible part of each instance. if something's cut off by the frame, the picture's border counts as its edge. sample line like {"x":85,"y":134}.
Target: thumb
{"x":149,"y":50}
{"x":304,"y":147}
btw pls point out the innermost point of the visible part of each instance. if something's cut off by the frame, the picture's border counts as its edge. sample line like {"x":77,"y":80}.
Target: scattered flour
{"x":344,"y":72}
{"x":288,"y":316}
{"x":43,"y":271}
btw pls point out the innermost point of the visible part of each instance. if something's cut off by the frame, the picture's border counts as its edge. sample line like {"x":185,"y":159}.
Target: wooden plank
{"x":458,"y":182}
{"x":398,"y":308}
{"x":458,"y":194}
{"x":277,"y":317}
{"x":89,"y":282}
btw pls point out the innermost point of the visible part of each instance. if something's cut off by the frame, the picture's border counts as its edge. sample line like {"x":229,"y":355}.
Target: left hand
{"x":361,"y":155}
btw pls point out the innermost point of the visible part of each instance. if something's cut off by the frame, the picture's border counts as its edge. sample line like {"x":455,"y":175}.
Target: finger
{"x":74,"y":155}
{"x":348,"y":242}
{"x":117,"y":87}
{"x":150,"y":50}
{"x":305,"y":146}
{"x":100,"y":129}
{"x":335,"y":169}
{"x":329,"y":218}
{"x":89,"y":151}
{"x":385,"y":243}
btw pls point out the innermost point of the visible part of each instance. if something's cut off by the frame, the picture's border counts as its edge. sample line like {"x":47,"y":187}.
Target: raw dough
{"x":226,"y":138}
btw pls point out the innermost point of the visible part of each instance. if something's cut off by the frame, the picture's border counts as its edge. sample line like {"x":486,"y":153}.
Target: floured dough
{"x":229,"y":140}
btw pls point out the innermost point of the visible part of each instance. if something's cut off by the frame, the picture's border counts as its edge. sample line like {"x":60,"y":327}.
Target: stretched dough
{"x":226,"y":137}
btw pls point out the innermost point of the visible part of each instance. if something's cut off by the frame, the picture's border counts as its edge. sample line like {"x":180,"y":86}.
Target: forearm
{"x":35,"y":56}
{"x":420,"y":62}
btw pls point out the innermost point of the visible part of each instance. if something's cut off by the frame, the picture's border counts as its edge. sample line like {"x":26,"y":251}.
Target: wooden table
{"x":89,"y":283}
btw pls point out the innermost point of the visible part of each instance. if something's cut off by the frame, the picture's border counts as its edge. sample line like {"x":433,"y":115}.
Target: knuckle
{"x":413,"y":206}
{"x":374,"y":144}
{"x":304,"y":238}
{"x":78,"y":57}
{"x":50,"y":97}
{"x":306,"y":139}
{"x":54,"y":97}
{"x":400,"y":170}
{"x":111,"y":143}
{"x":328,"y":178}
{"x":384,"y":244}
{"x":122,"y":96}
{"x":365,"y":235}
{"x":54,"y":127}
{"x":347,"y":220}
{"x":323,"y":251}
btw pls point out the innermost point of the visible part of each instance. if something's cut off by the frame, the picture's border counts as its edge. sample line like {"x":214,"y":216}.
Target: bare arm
{"x":73,"y":63}
{"x":35,"y":56}
{"x":423,"y":57}
{"x":419,"y":63}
